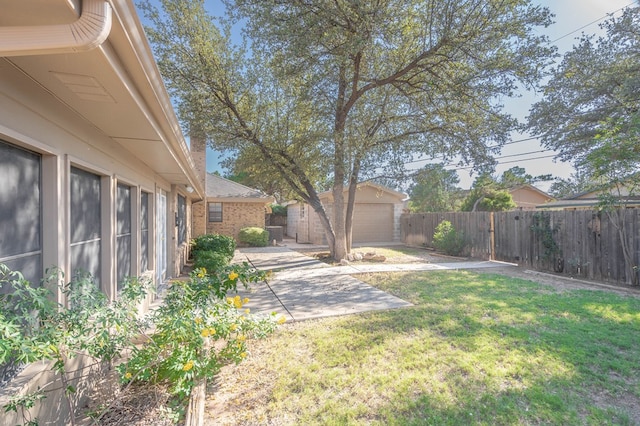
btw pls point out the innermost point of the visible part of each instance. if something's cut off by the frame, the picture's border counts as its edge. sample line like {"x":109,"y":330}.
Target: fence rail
{"x":578,"y":243}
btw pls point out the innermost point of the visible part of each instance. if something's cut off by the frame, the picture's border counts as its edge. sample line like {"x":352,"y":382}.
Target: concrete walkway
{"x":302,"y":287}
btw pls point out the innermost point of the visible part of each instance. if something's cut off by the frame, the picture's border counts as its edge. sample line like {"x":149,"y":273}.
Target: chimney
{"x":198,"y":148}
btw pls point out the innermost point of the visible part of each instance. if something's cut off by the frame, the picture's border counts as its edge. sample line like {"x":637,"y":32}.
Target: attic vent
{"x":84,"y":87}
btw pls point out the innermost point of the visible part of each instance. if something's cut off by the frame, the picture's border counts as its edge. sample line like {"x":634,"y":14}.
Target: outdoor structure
{"x":96,"y":175}
{"x":590,"y":200}
{"x":528,"y":197}
{"x":230,"y":207}
{"x":376,"y":216}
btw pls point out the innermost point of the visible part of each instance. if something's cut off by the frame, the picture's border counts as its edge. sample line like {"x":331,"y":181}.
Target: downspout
{"x":89,"y":31}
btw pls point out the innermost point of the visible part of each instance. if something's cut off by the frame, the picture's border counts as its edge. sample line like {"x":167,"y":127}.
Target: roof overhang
{"x":111,"y":82}
{"x":265,"y":200}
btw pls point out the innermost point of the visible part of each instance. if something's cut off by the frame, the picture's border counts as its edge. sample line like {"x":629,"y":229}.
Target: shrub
{"x":210,"y":260}
{"x":448,"y":240}
{"x":34,"y":327}
{"x":254,"y":237}
{"x":214,"y":242}
{"x":278,"y":209}
{"x":197,"y":331}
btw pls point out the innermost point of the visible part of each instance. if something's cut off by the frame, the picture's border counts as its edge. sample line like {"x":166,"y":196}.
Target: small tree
{"x":448,"y":240}
{"x":434,"y":190}
{"x":487,"y":195}
{"x":616,"y":160}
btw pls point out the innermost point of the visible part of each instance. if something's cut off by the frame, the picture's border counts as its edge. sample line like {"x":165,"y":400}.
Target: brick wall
{"x":236,"y":216}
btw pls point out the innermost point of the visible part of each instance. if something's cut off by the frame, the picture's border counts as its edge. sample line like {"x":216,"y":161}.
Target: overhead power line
{"x":509,"y":162}
{"x":591,"y":23}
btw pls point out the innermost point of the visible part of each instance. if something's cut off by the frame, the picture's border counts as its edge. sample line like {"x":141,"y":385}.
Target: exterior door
{"x":161,"y":238}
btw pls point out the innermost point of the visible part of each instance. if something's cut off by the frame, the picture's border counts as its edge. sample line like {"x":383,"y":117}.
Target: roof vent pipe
{"x":88,"y":32}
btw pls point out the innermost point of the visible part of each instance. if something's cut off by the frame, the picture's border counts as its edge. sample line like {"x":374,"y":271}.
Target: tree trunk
{"x":353,"y":186}
{"x":340,"y":244}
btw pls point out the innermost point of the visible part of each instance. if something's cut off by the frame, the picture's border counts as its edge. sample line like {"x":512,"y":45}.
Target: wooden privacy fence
{"x":578,"y":243}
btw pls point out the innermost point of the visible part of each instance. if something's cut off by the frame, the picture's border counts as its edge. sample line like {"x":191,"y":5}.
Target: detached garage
{"x":376,"y":216}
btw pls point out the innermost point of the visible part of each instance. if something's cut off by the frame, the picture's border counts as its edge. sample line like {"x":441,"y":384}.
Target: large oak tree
{"x":344,"y":89}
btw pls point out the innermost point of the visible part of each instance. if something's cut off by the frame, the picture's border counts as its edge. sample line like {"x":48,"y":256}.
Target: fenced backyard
{"x":577,"y":243}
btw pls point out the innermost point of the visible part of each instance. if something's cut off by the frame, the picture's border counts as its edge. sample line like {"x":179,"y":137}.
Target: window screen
{"x":123,"y":233}
{"x":85,"y":220}
{"x":182,"y":219}
{"x":144,"y":231}
{"x":215,"y":212}
{"x":20,"y":212}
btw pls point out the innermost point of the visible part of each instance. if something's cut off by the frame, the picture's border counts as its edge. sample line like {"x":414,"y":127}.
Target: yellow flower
{"x":233,"y":327}
{"x":245,"y":300}
{"x":198,"y":320}
{"x":188,"y":366}
{"x":237,"y":302}
{"x":246,"y":311}
{"x":128,"y":375}
{"x":233,"y":275}
{"x":230,"y":300}
{"x":243,"y":355}
{"x":282,"y":320}
{"x":205,"y":332}
{"x":242,"y":338}
{"x":212,"y":331}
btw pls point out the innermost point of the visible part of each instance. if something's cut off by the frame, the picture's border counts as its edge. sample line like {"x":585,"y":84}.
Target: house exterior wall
{"x":32,"y":119}
{"x":528,"y":199}
{"x":298,"y":219}
{"x":103,"y":112}
{"x":235,"y":216}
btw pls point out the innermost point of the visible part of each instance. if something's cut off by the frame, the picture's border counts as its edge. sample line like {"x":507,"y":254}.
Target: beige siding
{"x":526,"y":198}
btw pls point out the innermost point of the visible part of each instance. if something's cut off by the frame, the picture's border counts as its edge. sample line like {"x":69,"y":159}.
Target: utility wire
{"x":591,"y":23}
{"x":508,"y":162}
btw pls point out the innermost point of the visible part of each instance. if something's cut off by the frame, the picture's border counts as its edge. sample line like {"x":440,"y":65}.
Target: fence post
{"x":492,"y":236}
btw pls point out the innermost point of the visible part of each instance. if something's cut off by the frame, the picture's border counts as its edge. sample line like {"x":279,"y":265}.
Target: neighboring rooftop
{"x":219,"y":187}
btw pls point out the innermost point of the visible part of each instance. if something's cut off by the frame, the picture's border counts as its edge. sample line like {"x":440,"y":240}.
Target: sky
{"x":572,"y":18}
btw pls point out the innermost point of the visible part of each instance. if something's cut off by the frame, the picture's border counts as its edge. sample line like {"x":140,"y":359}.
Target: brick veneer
{"x":235,"y":216}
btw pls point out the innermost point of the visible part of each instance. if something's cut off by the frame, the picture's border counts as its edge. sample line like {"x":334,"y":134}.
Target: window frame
{"x":215,"y":215}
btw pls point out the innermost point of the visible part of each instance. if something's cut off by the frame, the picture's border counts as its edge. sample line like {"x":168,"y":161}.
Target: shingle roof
{"x":219,"y":187}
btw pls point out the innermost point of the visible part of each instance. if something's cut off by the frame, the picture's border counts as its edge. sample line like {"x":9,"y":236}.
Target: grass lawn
{"x":475,"y":349}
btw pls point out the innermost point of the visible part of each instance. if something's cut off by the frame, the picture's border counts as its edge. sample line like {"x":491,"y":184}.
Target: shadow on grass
{"x":487,"y":349}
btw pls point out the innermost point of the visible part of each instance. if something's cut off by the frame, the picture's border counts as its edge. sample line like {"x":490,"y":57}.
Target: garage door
{"x":373,"y":223}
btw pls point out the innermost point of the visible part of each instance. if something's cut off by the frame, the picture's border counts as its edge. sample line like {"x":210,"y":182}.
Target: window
{"x":123,"y":233}
{"x":215,"y":212}
{"x":302,"y":211}
{"x":182,"y":219}
{"x":20,"y":212}
{"x":85,"y":215}
{"x":144,"y":231}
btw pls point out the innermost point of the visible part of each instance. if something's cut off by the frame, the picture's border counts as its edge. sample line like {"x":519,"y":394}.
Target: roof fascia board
{"x":171,"y":132}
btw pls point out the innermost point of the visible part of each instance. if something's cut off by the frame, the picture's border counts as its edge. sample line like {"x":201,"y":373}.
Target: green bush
{"x":448,"y":240}
{"x":210,"y":260}
{"x":197,"y":330}
{"x":254,"y":237}
{"x":278,"y":209}
{"x":214,"y":242}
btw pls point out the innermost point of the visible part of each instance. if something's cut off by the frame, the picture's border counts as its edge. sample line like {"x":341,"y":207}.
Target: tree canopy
{"x":434,"y":189}
{"x":344,"y":90}
{"x":487,"y":194}
{"x":593,"y":91}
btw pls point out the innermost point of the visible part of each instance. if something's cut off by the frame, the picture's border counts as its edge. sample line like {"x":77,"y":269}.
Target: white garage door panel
{"x":373,"y":223}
